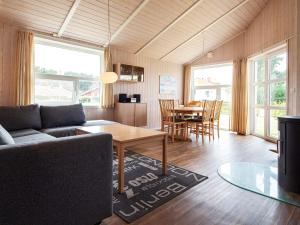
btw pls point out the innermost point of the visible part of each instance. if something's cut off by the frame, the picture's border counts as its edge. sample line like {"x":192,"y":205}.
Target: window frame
{"x":267,"y":107}
{"x":75,"y":80}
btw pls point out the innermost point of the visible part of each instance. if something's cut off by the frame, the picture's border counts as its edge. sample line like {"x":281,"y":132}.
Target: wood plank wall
{"x":233,"y":49}
{"x":149,"y":89}
{"x":7,"y":58}
{"x":275,"y":24}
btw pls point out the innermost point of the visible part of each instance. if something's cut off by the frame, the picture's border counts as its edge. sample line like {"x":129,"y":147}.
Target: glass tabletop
{"x":258,"y":178}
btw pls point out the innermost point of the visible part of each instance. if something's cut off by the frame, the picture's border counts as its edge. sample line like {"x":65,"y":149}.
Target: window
{"x":66,"y":74}
{"x":268,"y":92}
{"x":211,"y":83}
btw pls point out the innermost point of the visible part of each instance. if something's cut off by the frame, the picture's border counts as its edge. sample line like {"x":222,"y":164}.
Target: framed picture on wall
{"x":167,"y":85}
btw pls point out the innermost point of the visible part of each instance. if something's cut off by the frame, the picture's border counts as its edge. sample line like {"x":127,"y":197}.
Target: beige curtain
{"x":239,"y":112}
{"x":187,"y":84}
{"x":24,"y":68}
{"x":107,"y":97}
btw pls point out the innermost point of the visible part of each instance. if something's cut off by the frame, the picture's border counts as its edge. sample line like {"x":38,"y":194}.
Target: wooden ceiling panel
{"x":157,"y":15}
{"x":39,"y":15}
{"x":90,"y":18}
{"x":25,"y":19}
{"x":170,"y":30}
{"x":195,"y":21}
{"x":223,"y":30}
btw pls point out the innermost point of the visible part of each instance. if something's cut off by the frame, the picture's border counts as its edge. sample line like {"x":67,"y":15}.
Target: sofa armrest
{"x":64,"y":181}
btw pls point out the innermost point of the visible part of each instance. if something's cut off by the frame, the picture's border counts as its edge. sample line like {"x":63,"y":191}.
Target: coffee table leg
{"x":120,"y":150}
{"x":164,"y":158}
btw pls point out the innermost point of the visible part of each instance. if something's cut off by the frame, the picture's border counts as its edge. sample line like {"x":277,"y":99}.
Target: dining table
{"x":181,"y":111}
{"x":188,"y":110}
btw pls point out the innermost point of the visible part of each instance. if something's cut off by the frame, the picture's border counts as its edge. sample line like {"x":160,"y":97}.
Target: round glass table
{"x":258,"y":178}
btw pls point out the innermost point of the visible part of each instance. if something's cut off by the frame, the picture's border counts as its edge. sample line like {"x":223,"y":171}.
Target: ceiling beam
{"x":206,"y":28}
{"x":169,"y":26}
{"x":197,"y":58}
{"x":68,"y":17}
{"x":129,"y":19}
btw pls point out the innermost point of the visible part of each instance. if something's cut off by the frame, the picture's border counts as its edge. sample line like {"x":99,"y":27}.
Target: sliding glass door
{"x":268,"y":92}
{"x":211,"y":83}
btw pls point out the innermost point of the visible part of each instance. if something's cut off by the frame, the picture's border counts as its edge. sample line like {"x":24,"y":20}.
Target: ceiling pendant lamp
{"x":108,"y":77}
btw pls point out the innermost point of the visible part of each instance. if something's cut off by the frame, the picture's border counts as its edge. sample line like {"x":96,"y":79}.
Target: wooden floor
{"x":215,"y":201}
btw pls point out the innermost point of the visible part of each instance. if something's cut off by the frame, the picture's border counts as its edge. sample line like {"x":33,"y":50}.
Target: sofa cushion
{"x":20,"y":117}
{"x":98,"y":123}
{"x":5,"y":137}
{"x":33,"y":138}
{"x":25,"y":132}
{"x":61,"y":131}
{"x":59,"y":116}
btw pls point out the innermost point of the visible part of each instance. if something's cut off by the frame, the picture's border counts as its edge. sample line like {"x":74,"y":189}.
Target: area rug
{"x":257,"y":178}
{"x":146,"y":188}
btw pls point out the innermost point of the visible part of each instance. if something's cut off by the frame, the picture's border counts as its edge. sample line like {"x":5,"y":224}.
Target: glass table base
{"x":258,"y":178}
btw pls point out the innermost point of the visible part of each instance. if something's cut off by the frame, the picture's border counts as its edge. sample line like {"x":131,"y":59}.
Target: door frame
{"x":218,"y":88}
{"x":267,"y":56}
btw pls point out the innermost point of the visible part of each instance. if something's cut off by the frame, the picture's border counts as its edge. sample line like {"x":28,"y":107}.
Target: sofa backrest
{"x":20,"y":117}
{"x":59,"y":116}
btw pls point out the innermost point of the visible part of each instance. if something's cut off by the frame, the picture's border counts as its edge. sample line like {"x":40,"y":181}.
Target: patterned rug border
{"x":142,"y":204}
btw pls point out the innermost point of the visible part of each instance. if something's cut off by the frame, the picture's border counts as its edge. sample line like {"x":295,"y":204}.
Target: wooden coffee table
{"x":125,"y":136}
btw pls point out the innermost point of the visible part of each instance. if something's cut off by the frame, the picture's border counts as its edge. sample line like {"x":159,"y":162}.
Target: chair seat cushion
{"x":5,"y":137}
{"x":196,"y":119}
{"x":180,"y":120}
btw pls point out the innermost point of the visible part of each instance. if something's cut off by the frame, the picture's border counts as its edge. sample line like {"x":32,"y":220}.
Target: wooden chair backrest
{"x":196,"y":103}
{"x":218,"y":108}
{"x":208,"y":110}
{"x":176,"y":103}
{"x":166,"y":109}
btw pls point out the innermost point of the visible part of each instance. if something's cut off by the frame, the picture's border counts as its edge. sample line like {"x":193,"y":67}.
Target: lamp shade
{"x":210,"y":55}
{"x":108,"y":77}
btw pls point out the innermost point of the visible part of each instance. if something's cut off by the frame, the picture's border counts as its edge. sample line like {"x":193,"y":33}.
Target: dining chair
{"x":169,"y":120}
{"x":176,"y":103}
{"x":206,"y":120}
{"x":193,"y":104}
{"x":216,"y":118}
{"x":202,"y":124}
{"x":196,"y":103}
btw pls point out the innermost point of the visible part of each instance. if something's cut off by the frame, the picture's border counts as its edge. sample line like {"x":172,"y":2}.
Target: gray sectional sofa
{"x":47,"y":175}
